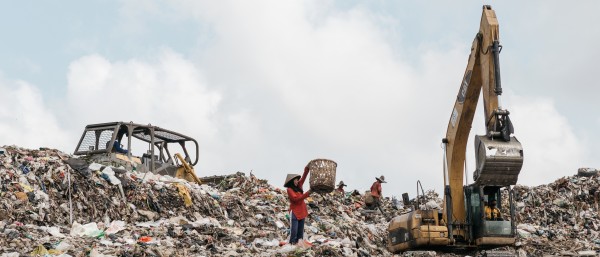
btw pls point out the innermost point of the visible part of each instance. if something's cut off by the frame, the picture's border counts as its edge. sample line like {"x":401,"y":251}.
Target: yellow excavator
{"x":463,"y":223}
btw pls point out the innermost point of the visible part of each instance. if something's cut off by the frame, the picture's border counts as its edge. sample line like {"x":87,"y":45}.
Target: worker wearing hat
{"x":340,"y":188}
{"x":298,"y":210}
{"x":376,"y":189}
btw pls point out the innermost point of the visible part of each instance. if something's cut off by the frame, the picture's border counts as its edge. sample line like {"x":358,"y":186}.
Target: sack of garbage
{"x":587,"y":172}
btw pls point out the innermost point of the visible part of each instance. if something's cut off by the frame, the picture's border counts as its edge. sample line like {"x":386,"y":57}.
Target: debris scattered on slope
{"x":53,"y":205}
{"x":57,"y":205}
{"x":561,"y":218}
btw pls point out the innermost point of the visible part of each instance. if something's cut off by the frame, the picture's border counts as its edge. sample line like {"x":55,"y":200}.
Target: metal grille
{"x":160,"y":135}
{"x":89,"y":140}
{"x":145,"y":137}
{"x":168,"y":135}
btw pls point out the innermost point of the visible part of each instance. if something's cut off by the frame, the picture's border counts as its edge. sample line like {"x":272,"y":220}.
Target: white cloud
{"x":305,"y":81}
{"x":25,"y":119}
{"x":331,"y":87}
{"x":169,"y":91}
{"x":551,"y":148}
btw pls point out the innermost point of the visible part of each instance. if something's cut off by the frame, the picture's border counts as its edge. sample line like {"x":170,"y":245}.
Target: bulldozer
{"x":103,"y":143}
{"x":464,"y":222}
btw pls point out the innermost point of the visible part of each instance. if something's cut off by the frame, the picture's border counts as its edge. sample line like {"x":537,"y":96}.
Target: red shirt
{"x":376,"y":189}
{"x":297,"y":204}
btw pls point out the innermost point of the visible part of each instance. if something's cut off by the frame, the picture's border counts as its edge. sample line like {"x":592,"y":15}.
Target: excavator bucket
{"x":499,"y":162}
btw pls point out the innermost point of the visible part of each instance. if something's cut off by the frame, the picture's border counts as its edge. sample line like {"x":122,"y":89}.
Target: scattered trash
{"x":120,"y":212}
{"x":114,"y":209}
{"x":561,"y":218}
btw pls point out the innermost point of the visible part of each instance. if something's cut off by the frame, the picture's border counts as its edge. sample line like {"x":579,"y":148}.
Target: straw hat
{"x":381,"y":179}
{"x":341,"y":183}
{"x":289,"y":178}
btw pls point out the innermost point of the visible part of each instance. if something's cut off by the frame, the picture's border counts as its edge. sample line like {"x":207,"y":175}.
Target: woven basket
{"x":322,"y":175}
{"x":369,"y":198}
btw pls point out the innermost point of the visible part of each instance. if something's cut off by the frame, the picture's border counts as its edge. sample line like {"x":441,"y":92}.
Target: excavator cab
{"x":489,"y":227}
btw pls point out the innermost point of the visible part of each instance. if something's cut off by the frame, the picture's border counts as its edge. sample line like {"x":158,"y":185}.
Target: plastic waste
{"x":115,"y":226}
{"x":286,"y":248}
{"x":40,"y":250}
{"x":54,"y":231}
{"x":279,"y":224}
{"x":63,"y":246}
{"x":13,"y":254}
{"x":145,"y":239}
{"x":185,"y":194}
{"x":24,"y":169}
{"x":109,"y":175}
{"x":95,"y":166}
{"x":89,"y":230}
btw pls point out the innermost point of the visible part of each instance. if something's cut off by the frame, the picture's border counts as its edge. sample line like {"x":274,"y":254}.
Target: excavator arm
{"x":499,"y":156}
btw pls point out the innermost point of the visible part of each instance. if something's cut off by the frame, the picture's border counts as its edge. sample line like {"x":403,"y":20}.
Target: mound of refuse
{"x":52,"y":204}
{"x":55,"y":205}
{"x":561,"y":218}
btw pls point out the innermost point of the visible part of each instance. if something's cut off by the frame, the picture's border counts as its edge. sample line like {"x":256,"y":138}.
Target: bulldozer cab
{"x":484,"y":212}
{"x":144,"y":148}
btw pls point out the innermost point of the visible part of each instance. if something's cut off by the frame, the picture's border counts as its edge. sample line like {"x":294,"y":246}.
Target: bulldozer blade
{"x":498,"y":162}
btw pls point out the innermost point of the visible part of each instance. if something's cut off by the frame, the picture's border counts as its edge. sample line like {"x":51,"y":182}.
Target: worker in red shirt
{"x":340,"y":188}
{"x":298,"y":210}
{"x":376,"y":189}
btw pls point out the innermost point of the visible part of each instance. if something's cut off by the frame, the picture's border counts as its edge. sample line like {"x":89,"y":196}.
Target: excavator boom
{"x":499,"y":158}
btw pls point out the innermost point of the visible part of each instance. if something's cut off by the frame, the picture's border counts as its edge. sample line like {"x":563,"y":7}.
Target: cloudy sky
{"x":269,"y":85}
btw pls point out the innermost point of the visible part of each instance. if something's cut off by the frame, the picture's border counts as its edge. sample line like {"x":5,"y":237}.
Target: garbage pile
{"x":561,"y":218}
{"x":53,"y":205}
